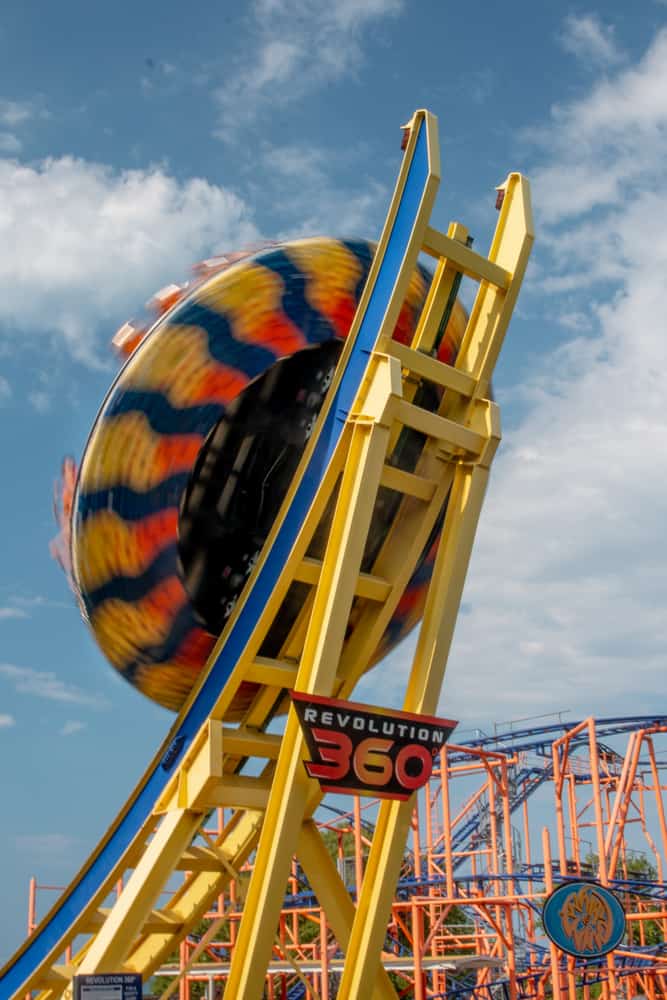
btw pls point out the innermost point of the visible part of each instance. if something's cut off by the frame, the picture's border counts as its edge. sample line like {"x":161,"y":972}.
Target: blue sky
{"x":138,"y":138}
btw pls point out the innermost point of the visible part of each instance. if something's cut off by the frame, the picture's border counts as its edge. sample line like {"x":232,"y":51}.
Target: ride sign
{"x":108,"y":986}
{"x":367,"y":750}
{"x":584,"y":919}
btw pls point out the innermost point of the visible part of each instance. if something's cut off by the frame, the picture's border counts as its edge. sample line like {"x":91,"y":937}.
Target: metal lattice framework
{"x":465,"y":918}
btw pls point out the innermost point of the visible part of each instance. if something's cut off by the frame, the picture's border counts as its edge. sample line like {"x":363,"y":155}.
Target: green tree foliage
{"x":635,"y":868}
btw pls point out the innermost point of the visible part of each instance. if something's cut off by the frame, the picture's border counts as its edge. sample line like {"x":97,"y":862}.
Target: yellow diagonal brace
{"x":317,"y":674}
{"x":196,"y":895}
{"x":333,"y":897}
{"x":426,"y":677}
{"x":109,"y":949}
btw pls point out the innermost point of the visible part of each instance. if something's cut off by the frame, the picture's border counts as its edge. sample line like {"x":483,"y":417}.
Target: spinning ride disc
{"x":194,"y":448}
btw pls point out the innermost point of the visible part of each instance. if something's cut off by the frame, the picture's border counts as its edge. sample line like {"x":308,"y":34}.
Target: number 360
{"x":370,"y":761}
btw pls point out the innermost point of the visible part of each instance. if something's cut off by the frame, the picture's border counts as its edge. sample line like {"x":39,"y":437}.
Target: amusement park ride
{"x":285,"y":477}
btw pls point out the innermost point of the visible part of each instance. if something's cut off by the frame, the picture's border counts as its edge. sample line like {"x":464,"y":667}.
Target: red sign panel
{"x":367,"y":750}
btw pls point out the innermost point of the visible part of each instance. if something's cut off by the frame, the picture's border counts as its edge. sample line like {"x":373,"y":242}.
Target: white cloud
{"x":38,"y":600}
{"x":9,"y":143}
{"x":609,"y":146}
{"x":302,"y":183}
{"x":566,"y":600}
{"x":6,"y":721}
{"x":81,"y":244}
{"x":299,"y":47}
{"x":46,"y":684}
{"x":15,"y":112}
{"x":72,"y":726}
{"x":40,"y":400}
{"x":45,"y":844}
{"x":589,"y":40}
{"x":5,"y":390}
{"x":9,"y":612}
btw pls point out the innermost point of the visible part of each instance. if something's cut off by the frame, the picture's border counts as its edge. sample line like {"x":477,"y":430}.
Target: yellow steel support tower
{"x":334,"y":639}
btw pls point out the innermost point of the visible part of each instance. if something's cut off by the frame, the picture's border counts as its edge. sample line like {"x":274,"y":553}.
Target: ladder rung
{"x":162,"y":920}
{"x":272,"y":673}
{"x":56,"y":977}
{"x":240,"y":792}
{"x":249,"y":743}
{"x":199,"y":859}
{"x":407,"y":482}
{"x":440,"y":428}
{"x":375,"y":588}
{"x":431,"y":369}
{"x":157,"y":920}
{"x":470,"y":263}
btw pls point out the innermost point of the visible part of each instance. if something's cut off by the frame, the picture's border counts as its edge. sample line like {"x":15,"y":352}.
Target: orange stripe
{"x":176,"y":454}
{"x":219,"y":384}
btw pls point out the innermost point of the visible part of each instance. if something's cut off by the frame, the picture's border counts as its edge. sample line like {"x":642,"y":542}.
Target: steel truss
{"x":465,"y":916}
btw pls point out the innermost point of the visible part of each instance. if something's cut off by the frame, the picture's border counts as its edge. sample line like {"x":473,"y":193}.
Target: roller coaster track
{"x":202,"y":763}
{"x":528,"y":778}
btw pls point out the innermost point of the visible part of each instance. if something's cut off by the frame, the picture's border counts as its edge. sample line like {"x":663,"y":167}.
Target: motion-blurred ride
{"x":194,"y":448}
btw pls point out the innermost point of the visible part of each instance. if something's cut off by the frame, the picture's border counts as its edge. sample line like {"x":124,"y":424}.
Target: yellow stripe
{"x":248,"y":297}
{"x":173,"y":361}
{"x":330,"y":268}
{"x":121,"y":629}
{"x":123,"y":451}
{"x":106,"y":547}
{"x":168,"y":684}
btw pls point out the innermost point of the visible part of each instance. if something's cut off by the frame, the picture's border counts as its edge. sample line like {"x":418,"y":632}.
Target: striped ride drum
{"x":194,"y":448}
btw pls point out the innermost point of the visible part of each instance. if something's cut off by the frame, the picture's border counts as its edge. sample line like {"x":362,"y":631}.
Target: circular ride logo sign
{"x":584,"y":919}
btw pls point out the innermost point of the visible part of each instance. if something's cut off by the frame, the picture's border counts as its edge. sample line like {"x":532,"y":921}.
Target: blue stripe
{"x":139,"y":809}
{"x":162,"y":416}
{"x":314,"y":326}
{"x":130,"y":504}
{"x":151,"y":657}
{"x":249,"y":359}
{"x":134,"y":588}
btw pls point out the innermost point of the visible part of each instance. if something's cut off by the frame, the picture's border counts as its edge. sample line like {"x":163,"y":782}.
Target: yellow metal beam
{"x":472,"y":264}
{"x":244,"y":742}
{"x":317,"y":674}
{"x":408,"y":483}
{"x":334,"y":898}
{"x":198,"y":859}
{"x":440,"y":296}
{"x":372,"y":587}
{"x":433,"y":370}
{"x":424,"y":686}
{"x":491,"y":312}
{"x":239,"y":792}
{"x":192,"y":900}
{"x":157,"y":920}
{"x":111,"y":945}
{"x":450,"y":434}
{"x":272,"y":673}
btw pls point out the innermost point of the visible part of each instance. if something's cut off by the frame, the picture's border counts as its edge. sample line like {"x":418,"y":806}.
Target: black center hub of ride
{"x":242,"y":475}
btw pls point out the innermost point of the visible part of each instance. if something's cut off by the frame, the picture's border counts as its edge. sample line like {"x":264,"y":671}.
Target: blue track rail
{"x":540,"y":738}
{"x":45,"y":944}
{"x":537,"y":740}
